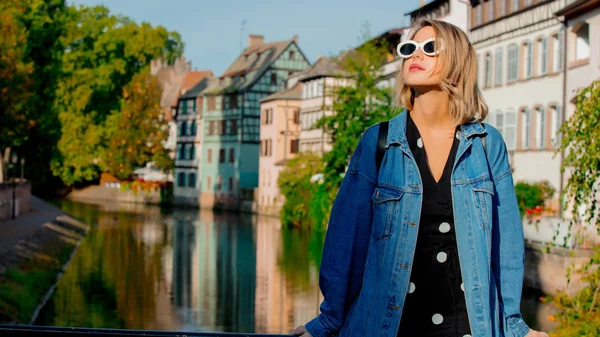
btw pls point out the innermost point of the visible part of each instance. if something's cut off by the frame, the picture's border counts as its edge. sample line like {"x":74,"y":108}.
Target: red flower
{"x":529,"y":211}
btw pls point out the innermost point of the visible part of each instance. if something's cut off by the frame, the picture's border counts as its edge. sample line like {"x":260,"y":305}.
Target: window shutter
{"x":510,"y":129}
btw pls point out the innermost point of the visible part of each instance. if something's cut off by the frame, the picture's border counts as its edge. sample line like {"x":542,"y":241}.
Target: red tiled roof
{"x":191,"y":79}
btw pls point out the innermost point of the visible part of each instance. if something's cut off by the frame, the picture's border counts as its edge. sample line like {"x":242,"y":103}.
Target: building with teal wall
{"x":229,"y":121}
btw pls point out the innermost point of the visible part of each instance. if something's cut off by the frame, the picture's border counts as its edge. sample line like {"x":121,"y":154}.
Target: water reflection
{"x":142,"y":267}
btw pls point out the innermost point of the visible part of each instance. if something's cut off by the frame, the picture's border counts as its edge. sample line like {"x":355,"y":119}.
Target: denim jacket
{"x":372,"y":234}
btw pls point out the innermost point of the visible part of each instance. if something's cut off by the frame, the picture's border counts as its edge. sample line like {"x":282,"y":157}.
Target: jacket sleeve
{"x":508,"y":244}
{"x":346,"y":241}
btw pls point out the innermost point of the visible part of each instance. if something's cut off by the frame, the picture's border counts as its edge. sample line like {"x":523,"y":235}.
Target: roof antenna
{"x":242,"y":36}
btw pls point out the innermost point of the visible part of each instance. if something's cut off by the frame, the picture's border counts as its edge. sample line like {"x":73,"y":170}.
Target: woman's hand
{"x":533,"y":333}
{"x":301,"y":331}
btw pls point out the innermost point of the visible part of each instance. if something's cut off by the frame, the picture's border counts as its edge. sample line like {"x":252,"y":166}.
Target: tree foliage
{"x":137,"y":132}
{"x":580,"y":314}
{"x":103,"y":54}
{"x":358,"y":103}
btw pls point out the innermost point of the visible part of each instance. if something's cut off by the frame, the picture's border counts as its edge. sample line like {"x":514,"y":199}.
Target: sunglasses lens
{"x":407,"y":49}
{"x":429,"y":47}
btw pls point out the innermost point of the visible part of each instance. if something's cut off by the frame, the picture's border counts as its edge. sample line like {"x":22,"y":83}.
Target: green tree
{"x":103,"y":54}
{"x":295,"y":184}
{"x":146,"y":132}
{"x":356,"y":106}
{"x":580,"y":314}
{"x":15,"y":81}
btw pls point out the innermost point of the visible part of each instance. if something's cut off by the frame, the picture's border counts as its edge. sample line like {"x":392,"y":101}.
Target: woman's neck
{"x":430,"y":109}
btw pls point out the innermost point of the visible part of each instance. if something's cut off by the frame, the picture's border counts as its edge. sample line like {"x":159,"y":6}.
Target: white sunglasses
{"x":407,"y":48}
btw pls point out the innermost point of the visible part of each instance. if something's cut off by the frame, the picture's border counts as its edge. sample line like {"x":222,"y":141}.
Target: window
{"x":192,"y":180}
{"x":181,"y":179}
{"x":543,"y":56}
{"x":488,"y":70}
{"x":221,"y":127}
{"x":515,"y":5}
{"x":491,"y":6}
{"x":209,"y":184}
{"x":211,"y":127}
{"x":582,"y":42}
{"x":192,"y":152}
{"x":528,"y":2}
{"x":221,"y":155}
{"x":528,"y":59}
{"x":294,"y":146}
{"x":182,"y":151}
{"x":555,"y":123}
{"x":499,"y":121}
{"x":540,"y":127}
{"x":502,"y":8}
{"x":479,"y":15}
{"x":234,"y":102}
{"x":499,"y":63}
{"x":525,"y":128}
{"x":320,"y":88}
{"x":273,"y":78}
{"x":268,"y":116}
{"x":230,"y":184}
{"x":183,"y":129}
{"x":184,"y":107}
{"x":231,"y":155}
{"x":513,"y":63}
{"x":558,"y":51}
{"x":292,"y":55}
{"x":219,"y":183}
{"x":211,"y":103}
{"x":193,"y":128}
{"x":194,"y":105}
{"x":233,"y":127}
{"x":296,"y":116}
{"x":209,"y":156}
{"x":304,"y":91}
{"x":510,"y":129}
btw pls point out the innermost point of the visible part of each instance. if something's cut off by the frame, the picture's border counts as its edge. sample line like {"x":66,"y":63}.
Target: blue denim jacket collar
{"x":397,"y":129}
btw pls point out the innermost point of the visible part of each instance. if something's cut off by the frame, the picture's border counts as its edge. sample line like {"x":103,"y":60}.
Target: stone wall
{"x":115,"y":194}
{"x":547,"y":271}
{"x":22,"y":199}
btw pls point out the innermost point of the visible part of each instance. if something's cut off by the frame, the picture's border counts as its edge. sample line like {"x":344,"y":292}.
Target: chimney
{"x":422,"y":3}
{"x":255,"y":40}
{"x":295,"y":39}
{"x":319,"y":56}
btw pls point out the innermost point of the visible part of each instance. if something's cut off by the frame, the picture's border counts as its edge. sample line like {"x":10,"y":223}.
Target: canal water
{"x":143,"y":267}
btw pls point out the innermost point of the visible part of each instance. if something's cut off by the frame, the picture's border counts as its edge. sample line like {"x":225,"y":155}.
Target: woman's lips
{"x":415,"y":67}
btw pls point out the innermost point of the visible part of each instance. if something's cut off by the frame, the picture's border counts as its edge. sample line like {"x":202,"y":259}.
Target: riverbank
{"x":35,"y":249}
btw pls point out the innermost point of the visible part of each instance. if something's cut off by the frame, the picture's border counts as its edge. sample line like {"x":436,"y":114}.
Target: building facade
{"x":227,"y":170}
{"x":455,"y":12}
{"x":521,"y":53}
{"x":279,"y":142}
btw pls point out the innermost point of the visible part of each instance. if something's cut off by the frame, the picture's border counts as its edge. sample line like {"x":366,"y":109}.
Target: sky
{"x":212,"y":30}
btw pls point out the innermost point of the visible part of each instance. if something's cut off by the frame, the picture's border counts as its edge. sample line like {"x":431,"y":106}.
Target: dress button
{"x":437,"y":189}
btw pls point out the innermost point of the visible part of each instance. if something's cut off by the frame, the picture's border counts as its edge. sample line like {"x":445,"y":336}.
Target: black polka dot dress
{"x":435,"y":303}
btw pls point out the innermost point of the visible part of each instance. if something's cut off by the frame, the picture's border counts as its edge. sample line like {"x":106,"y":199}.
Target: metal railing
{"x":34,"y":330}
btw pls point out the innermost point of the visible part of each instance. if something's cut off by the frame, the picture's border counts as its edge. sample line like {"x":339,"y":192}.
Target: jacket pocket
{"x":386,"y":206}
{"x":483,"y":192}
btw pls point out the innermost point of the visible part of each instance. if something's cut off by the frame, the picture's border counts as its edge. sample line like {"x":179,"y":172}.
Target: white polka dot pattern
{"x":441,"y":257}
{"x":437,"y":319}
{"x":420,"y":143}
{"x":444,"y":227}
{"x":462,"y":286}
{"x":411,"y":288}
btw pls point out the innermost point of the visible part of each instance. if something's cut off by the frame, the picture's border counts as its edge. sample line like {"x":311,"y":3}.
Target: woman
{"x":432,"y":243}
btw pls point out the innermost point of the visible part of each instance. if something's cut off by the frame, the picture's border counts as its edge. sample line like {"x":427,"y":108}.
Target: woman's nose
{"x":418,"y":54}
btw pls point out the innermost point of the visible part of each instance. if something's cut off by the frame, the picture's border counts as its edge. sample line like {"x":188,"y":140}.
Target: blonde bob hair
{"x":458,"y":76}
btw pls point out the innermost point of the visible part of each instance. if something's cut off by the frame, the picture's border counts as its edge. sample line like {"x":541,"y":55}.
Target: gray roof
{"x":324,"y":67}
{"x":252,"y":63}
{"x":294,"y":93}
